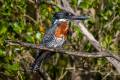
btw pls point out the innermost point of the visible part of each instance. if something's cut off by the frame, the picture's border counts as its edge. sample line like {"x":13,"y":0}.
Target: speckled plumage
{"x":56,"y":35}
{"x":53,"y":38}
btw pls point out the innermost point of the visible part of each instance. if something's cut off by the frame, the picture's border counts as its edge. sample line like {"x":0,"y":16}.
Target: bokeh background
{"x":27,"y":21}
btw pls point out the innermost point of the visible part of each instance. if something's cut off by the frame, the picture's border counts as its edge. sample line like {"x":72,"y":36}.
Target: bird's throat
{"x":62,"y":30}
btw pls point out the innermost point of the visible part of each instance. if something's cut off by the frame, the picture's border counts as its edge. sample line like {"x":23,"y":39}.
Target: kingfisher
{"x":56,"y":35}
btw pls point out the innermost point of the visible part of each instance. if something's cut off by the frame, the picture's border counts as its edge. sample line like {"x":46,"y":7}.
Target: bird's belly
{"x":57,"y":42}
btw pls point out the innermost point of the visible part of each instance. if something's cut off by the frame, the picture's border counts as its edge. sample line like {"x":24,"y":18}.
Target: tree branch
{"x":33,"y":20}
{"x":75,"y":53}
{"x":44,"y":75}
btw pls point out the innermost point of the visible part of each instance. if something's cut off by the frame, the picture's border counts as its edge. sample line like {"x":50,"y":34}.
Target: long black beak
{"x":78,"y":17}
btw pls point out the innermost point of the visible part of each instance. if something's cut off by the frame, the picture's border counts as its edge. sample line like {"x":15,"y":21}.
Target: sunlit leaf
{"x":38,"y":35}
{"x":30,"y":38}
{"x":13,"y":67}
{"x":3,"y":29}
{"x":2,"y":53}
{"x":16,"y":28}
{"x":84,"y":5}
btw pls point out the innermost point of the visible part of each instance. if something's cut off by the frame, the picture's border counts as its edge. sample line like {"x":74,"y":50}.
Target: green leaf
{"x":38,"y":36}
{"x":30,"y":38}
{"x":84,"y":5}
{"x":12,"y":67}
{"x":3,"y":29}
{"x":101,"y":62}
{"x":2,"y":53}
{"x":17,"y":28}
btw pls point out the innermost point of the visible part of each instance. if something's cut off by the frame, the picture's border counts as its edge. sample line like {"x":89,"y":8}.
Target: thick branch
{"x":37,"y":12}
{"x":76,"y":53}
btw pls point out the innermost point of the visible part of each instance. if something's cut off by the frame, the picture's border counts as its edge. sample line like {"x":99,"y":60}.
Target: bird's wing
{"x":49,"y":35}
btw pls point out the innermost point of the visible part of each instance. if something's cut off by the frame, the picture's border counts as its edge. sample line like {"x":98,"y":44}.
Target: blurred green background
{"x":21,"y":20}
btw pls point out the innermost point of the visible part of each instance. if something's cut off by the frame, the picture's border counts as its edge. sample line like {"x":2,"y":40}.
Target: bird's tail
{"x":39,"y":59}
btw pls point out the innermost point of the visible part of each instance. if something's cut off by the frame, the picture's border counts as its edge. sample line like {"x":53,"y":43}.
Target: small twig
{"x":30,"y":18}
{"x":37,"y":11}
{"x":31,"y":1}
{"x":104,"y":78}
{"x":109,"y":23}
{"x":67,"y":6}
{"x":63,"y":75}
{"x":44,"y":75}
{"x":61,"y":7}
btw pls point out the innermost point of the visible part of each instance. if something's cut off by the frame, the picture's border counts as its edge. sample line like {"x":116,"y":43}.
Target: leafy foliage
{"x":18,"y":22}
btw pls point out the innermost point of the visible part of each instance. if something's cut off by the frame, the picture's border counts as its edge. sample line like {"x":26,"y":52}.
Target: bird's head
{"x":65,"y":16}
{"x":62,"y":19}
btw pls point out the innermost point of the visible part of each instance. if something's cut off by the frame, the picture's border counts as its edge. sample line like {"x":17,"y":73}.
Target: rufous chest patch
{"x":62,"y":29}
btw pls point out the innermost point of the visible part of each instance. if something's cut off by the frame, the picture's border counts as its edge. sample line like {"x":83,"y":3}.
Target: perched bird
{"x":56,"y":35}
